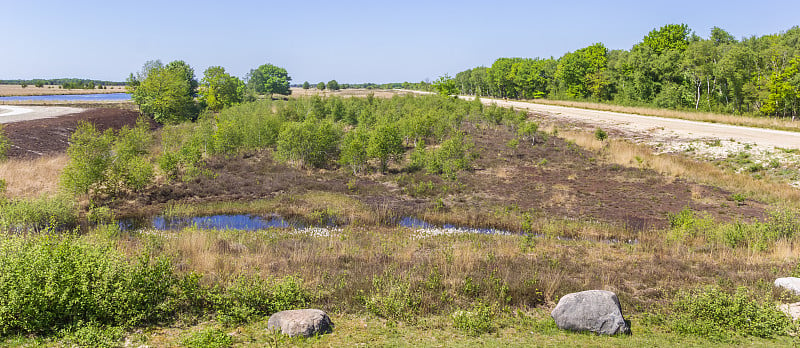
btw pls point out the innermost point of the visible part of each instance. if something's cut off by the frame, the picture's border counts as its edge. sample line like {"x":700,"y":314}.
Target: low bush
{"x":49,"y":283}
{"x":249,"y":297}
{"x":23,"y":215}
{"x":207,"y":338}
{"x":4,"y":144}
{"x":713,"y":313}
{"x":477,"y":321}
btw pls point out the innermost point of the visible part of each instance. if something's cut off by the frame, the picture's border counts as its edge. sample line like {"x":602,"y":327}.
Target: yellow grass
{"x":17,"y":90}
{"x":749,"y":121}
{"x":28,"y":178}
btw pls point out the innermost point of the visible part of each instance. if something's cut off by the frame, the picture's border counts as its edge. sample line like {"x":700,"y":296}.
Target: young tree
{"x":321,"y":86}
{"x":333,"y":85}
{"x":269,"y":79}
{"x":306,"y":85}
{"x":445,"y":86}
{"x":165,"y":93}
{"x":219,"y":89}
{"x":668,"y":37}
{"x":385,"y":143}
{"x":354,"y":150}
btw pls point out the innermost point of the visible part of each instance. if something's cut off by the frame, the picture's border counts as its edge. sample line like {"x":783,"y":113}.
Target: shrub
{"x":311,"y":142}
{"x":48,"y":283}
{"x":183,"y":147}
{"x":38,"y":214}
{"x":712,"y":313}
{"x":354,"y":150}
{"x":600,"y":134}
{"x":89,"y":159}
{"x":207,"y":338}
{"x":248,"y":297}
{"x":4,"y":144}
{"x":385,"y":143}
{"x":477,"y":321}
{"x":453,"y":155}
{"x":392,"y":297}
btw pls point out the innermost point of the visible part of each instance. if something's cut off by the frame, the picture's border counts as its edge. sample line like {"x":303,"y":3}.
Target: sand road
{"x":13,"y":113}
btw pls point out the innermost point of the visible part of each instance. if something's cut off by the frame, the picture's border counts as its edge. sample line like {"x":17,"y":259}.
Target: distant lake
{"x":71,"y":97}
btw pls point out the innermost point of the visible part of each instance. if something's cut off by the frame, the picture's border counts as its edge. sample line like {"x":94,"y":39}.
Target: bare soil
{"x":47,"y":136}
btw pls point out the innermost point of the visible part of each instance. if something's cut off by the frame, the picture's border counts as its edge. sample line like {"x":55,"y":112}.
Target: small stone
{"x":789,"y":283}
{"x":791,"y":309}
{"x":301,"y":322}
{"x":597,"y":311}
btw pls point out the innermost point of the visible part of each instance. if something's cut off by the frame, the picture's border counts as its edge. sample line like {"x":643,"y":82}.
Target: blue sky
{"x":350,"y":41}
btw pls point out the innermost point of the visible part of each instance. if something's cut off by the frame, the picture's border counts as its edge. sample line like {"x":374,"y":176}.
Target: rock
{"x":791,"y":309}
{"x":597,"y":311}
{"x":301,"y":322}
{"x":789,"y":283}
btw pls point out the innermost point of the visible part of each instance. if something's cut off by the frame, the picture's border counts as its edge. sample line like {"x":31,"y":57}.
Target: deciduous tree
{"x":269,"y":79}
{"x":219,"y":89}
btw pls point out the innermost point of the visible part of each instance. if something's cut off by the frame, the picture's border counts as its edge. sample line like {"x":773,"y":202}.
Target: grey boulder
{"x":301,"y":322}
{"x":597,"y":311}
{"x":789,"y":283}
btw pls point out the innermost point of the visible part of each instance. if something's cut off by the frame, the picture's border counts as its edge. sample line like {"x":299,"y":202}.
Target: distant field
{"x":17,"y":90}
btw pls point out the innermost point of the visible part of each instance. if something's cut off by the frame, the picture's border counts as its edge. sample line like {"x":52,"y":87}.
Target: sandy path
{"x":10,"y":113}
{"x":657,"y":128}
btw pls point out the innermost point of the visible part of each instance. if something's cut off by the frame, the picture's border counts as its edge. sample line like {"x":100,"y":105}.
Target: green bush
{"x":49,"y":283}
{"x":183,"y":147}
{"x":311,"y":142}
{"x":477,"y":321}
{"x":392,"y":297}
{"x":452,"y":156}
{"x":4,"y":144}
{"x":249,"y":297}
{"x":93,"y":335}
{"x":207,"y":338}
{"x":712,"y":313}
{"x":38,"y":214}
{"x":354,"y":150}
{"x":89,"y":159}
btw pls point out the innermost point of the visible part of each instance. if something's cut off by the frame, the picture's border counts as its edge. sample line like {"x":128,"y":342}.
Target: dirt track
{"x":659,"y":128}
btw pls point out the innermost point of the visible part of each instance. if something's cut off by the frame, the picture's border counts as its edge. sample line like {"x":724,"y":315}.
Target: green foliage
{"x":600,"y":134}
{"x":269,"y":79}
{"x":182,"y":151}
{"x":475,"y":322}
{"x":165,"y":92}
{"x":311,"y":142}
{"x":4,"y":144}
{"x":52,"y":282}
{"x":714,"y":314}
{"x":89,"y":158}
{"x":333,"y":85}
{"x":445,"y":86}
{"x":38,"y":214}
{"x":452,"y":156}
{"x":306,"y":85}
{"x":668,"y":37}
{"x":321,"y":86}
{"x":249,"y":297}
{"x":582,"y":73}
{"x":207,"y":338}
{"x":385,"y":143}
{"x":392,"y":297}
{"x":354,"y":150}
{"x":218,"y":89}
{"x":93,"y":335}
{"x":528,"y":130}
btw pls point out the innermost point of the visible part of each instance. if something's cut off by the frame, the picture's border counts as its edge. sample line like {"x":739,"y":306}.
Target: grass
{"x":29,"y":178}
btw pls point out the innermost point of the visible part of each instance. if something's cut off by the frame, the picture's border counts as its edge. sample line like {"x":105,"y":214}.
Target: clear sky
{"x":350,"y":41}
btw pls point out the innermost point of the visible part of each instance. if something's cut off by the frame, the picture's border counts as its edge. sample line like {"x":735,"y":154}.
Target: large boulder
{"x":789,"y":283}
{"x":301,"y":322}
{"x":597,"y":311}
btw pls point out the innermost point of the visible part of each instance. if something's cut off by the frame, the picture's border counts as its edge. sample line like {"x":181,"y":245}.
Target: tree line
{"x":66,"y":83}
{"x":172,"y":94}
{"x":672,"y":67}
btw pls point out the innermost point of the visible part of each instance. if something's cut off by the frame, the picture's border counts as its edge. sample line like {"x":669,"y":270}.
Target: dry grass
{"x":626,"y":153}
{"x":17,"y":90}
{"x":749,"y":121}
{"x":29,"y":178}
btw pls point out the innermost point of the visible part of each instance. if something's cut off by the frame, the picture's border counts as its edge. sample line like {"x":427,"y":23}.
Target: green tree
{"x":311,"y":142}
{"x":89,"y":158}
{"x":582,"y":73}
{"x":219,"y":89}
{"x":321,"y":86}
{"x":354,"y":149}
{"x":446,"y":86}
{"x":333,"y":85}
{"x":306,"y":85}
{"x":385,"y":143}
{"x":668,"y":37}
{"x":269,"y":79}
{"x":165,"y":93}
